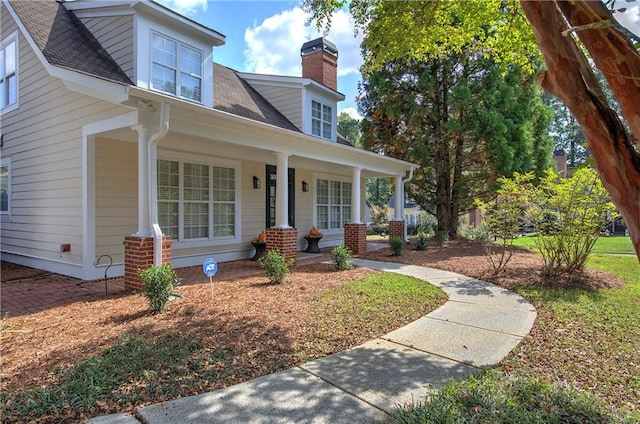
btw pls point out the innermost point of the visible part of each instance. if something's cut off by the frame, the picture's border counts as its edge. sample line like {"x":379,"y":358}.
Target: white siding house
{"x":116,"y":123}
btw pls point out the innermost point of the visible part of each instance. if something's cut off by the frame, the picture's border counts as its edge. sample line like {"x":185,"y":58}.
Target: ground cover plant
{"x":113,"y":354}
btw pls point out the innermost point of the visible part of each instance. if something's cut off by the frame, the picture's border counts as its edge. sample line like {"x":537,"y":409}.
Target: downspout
{"x":406,"y":180}
{"x":153,"y":177}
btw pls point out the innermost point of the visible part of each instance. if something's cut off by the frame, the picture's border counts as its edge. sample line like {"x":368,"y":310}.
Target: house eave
{"x":290,"y":81}
{"x":270,"y":137}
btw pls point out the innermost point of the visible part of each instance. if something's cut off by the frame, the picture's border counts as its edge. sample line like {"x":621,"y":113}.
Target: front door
{"x":271,"y":196}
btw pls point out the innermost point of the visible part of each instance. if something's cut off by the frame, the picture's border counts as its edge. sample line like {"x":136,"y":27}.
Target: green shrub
{"x":276,"y":266}
{"x":421,"y":241}
{"x":476,"y":233}
{"x":441,"y":236}
{"x":341,"y":255}
{"x":397,"y":245}
{"x":159,"y":284}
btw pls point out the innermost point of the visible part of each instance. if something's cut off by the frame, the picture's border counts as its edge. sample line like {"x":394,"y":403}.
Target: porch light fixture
{"x":305,"y":186}
{"x":256,"y":182}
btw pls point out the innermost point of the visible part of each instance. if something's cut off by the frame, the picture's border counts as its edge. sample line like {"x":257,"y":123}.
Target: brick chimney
{"x":561,"y":162}
{"x":320,"y":62}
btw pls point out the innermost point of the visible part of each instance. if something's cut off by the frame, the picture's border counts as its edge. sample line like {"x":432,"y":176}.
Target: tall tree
{"x":461,"y":120}
{"x":349,"y":128}
{"x":558,"y":29}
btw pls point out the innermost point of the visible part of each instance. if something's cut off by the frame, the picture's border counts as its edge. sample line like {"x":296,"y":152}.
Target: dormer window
{"x":321,"y":119}
{"x":176,"y":68}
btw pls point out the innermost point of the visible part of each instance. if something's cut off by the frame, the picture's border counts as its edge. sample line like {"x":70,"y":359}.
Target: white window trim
{"x":177,"y":82}
{"x":334,"y":118}
{"x":330,"y":178}
{"x":11,"y":38}
{"x":213,"y":241}
{"x":7,"y":162}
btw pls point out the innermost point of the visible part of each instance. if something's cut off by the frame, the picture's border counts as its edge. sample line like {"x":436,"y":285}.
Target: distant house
{"x":121,"y":137}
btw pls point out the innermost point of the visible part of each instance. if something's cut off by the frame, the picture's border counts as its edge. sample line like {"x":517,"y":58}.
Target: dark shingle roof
{"x":234,"y":95}
{"x":65,"y":41}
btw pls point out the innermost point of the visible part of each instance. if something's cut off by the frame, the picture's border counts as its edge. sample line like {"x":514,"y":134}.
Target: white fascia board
{"x":181,"y":23}
{"x":157,"y":11}
{"x":204,"y":121}
{"x":289,"y":82}
{"x":74,"y":80}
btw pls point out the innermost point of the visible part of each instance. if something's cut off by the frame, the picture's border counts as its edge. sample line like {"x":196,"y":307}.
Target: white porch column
{"x":144,"y":187}
{"x":399,"y":201}
{"x":355,"y":195}
{"x":363,"y":201}
{"x":282,"y":190}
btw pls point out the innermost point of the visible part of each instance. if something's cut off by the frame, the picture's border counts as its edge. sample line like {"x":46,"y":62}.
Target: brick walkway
{"x":29,"y":295}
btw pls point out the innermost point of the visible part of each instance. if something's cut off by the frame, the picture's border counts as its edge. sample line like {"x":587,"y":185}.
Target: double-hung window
{"x":9,"y":71}
{"x":176,"y":68}
{"x":5,"y":185}
{"x":333,"y":204}
{"x":196,"y":201}
{"x":321,"y":119}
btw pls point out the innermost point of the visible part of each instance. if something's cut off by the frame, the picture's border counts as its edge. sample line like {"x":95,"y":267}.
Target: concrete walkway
{"x":476,"y":328}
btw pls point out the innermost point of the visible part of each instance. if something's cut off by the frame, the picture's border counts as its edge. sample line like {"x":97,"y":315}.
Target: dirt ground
{"x":246,"y":314}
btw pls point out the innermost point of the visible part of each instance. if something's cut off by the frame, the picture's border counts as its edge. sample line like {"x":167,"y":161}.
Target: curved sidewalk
{"x":476,"y":328}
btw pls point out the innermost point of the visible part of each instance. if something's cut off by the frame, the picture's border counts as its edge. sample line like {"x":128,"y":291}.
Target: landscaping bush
{"x":378,"y":229}
{"x":421,"y":241}
{"x":159,"y":284}
{"x":441,"y":236}
{"x":476,"y":233}
{"x":397,"y":245}
{"x":276,"y":266}
{"x":504,"y":216}
{"x":341,"y":255}
{"x":570,"y":213}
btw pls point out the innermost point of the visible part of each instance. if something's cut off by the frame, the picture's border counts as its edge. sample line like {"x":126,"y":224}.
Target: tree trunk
{"x":570,"y":78}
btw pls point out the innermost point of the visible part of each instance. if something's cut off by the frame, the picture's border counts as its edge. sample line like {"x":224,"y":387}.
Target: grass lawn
{"x":581,"y":363}
{"x":613,"y":244}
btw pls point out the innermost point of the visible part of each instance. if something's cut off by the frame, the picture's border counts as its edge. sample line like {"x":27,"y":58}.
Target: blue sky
{"x":266,"y":36}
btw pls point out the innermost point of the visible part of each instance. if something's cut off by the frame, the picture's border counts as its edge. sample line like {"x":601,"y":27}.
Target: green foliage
{"x":504,"y":217}
{"x":421,"y":240}
{"x":441,"y":236}
{"x":341,"y":255}
{"x":416,"y":30}
{"x":461,"y":120}
{"x":349,"y":128}
{"x":159,"y":284}
{"x":477,"y":233}
{"x":397,"y":244}
{"x":379,"y":191}
{"x":570,"y":213}
{"x":276,"y":266}
{"x":132,"y":371}
{"x":493,"y":397}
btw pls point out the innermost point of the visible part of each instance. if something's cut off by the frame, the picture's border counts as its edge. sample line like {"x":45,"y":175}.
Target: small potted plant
{"x":260,"y":244}
{"x":312,"y":238}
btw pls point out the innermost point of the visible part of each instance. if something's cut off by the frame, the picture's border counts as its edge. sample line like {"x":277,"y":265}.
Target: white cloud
{"x":352,"y":112}
{"x":630,"y":19}
{"x":273,"y":45}
{"x":186,"y":7}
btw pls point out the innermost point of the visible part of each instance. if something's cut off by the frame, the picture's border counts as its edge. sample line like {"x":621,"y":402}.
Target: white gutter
{"x":406,"y":180}
{"x":153,"y":183}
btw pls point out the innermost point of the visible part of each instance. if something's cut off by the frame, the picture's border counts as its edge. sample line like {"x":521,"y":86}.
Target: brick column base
{"x":355,"y":238}
{"x":396,"y":229}
{"x":138,"y":254}
{"x":284,"y":240}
